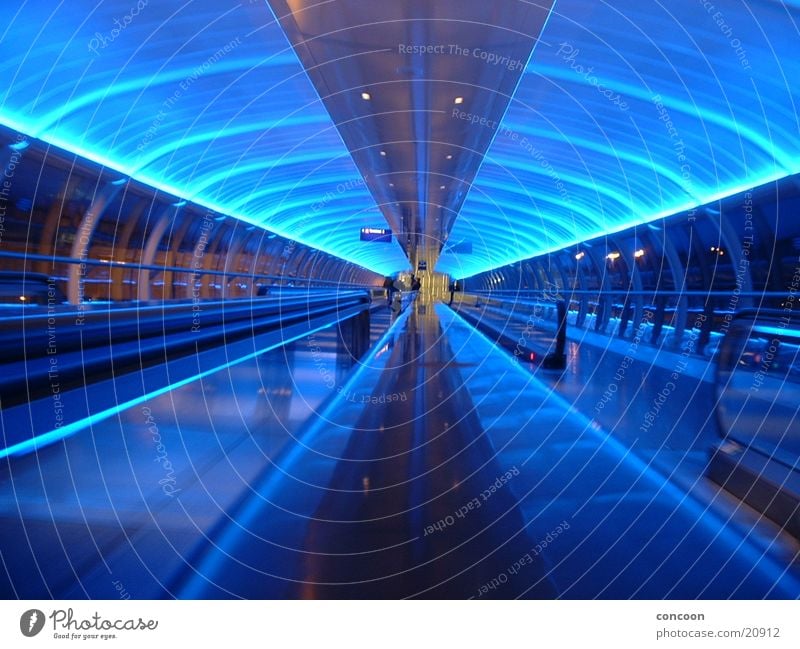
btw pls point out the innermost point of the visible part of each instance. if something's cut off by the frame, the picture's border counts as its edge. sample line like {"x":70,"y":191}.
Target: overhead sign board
{"x":383,"y":235}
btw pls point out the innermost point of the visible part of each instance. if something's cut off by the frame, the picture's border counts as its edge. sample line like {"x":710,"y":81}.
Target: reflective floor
{"x":412,"y":502}
{"x":623,"y":385}
{"x":130,"y":496}
{"x":434,"y":466}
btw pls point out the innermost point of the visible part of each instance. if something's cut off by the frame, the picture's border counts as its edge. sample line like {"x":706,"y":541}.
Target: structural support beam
{"x":659,"y":237}
{"x":83,"y":238}
{"x":120,"y":247}
{"x":232,"y":258}
{"x":200,"y":256}
{"x":150,"y":250}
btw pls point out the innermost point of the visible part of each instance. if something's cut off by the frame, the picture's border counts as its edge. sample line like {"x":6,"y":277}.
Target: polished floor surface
{"x":434,"y":466}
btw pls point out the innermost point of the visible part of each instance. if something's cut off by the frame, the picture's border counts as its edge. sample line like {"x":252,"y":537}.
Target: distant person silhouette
{"x":396,"y":301}
{"x":388,"y":284}
{"x":453,"y":288}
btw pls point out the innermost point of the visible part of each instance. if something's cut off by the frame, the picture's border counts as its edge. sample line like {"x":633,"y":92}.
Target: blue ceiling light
{"x":629,"y":112}
{"x":206,"y":102}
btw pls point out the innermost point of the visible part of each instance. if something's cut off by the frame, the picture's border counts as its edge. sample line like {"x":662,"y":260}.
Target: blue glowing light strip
{"x":180,"y":194}
{"x":718,"y":524}
{"x":451,"y":260}
{"x":68,"y":430}
{"x":231,"y":533}
{"x":508,"y":105}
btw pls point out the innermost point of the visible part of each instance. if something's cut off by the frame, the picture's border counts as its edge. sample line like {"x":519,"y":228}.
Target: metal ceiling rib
{"x":390,"y":73}
{"x":204,"y":100}
{"x":628,"y":112}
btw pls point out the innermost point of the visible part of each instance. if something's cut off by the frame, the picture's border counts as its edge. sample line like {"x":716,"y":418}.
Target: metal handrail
{"x":659,"y":293}
{"x":38,"y":321}
{"x":174,"y":269}
{"x":712,"y":309}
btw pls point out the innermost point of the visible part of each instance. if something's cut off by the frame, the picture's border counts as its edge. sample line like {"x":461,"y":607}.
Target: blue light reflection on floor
{"x":75,"y":427}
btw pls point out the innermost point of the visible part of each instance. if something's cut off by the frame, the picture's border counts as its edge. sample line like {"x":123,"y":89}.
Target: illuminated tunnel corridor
{"x":450,"y":300}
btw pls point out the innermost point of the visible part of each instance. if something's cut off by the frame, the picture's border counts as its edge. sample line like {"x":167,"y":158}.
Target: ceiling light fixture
{"x":366,"y":96}
{"x":459,"y":100}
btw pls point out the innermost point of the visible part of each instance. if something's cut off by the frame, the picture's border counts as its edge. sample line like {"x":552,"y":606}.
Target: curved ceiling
{"x":628,"y":112}
{"x":392,"y":74}
{"x":203,"y":99}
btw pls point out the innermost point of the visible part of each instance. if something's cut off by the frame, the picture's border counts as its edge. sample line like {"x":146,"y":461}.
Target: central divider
{"x":215,"y":567}
{"x":377,"y":499}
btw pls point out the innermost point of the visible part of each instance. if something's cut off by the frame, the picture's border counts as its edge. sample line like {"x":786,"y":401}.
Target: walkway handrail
{"x":174,"y":269}
{"x":757,"y":382}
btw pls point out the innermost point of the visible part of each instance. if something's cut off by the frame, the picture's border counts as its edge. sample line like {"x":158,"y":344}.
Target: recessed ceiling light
{"x":459,"y":100}
{"x":449,"y":156}
{"x":365,"y":96}
{"x":383,"y":152}
{"x":391,"y":184}
{"x":441,"y":186}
